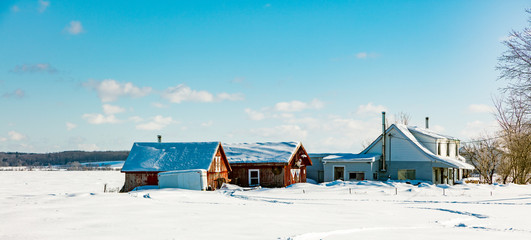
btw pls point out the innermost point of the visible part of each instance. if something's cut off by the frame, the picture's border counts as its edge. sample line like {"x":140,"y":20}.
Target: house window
{"x":254,"y":177}
{"x":359,"y":176}
{"x":448,"y":149}
{"x":339,"y":173}
{"x":217,"y":164}
{"x":406,"y":174}
{"x":439,"y":149}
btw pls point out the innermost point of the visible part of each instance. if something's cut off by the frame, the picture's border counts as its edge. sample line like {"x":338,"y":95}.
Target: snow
{"x":430,"y":133}
{"x":350,"y":157}
{"x":447,"y":160}
{"x":72,"y":205}
{"x":266,"y":152}
{"x":170,"y":156}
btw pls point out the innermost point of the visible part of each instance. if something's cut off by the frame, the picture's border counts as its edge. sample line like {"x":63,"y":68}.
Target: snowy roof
{"x":405,"y":130}
{"x":160,"y":157}
{"x":447,"y":160}
{"x":350,"y":157}
{"x":429,"y":133}
{"x":266,"y":152}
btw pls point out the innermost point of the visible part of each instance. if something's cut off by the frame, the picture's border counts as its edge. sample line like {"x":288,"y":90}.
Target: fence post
{"x":105,"y":188}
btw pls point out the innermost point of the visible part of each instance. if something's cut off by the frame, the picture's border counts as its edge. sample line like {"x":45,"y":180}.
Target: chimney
{"x":383,"y":142}
{"x":427,"y":122}
{"x":159,"y":137}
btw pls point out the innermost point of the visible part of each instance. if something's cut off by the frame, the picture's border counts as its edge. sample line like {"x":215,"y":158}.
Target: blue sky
{"x":100,"y":75}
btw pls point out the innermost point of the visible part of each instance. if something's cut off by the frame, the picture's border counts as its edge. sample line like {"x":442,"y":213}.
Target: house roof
{"x":429,"y":133}
{"x":170,"y":156}
{"x":260,"y":152}
{"x":350,"y":157}
{"x":405,"y":131}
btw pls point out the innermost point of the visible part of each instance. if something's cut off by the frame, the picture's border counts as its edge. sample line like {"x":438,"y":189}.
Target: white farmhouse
{"x":416,"y":153}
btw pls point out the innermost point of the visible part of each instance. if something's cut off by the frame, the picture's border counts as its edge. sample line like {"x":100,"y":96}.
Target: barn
{"x":269,"y":164}
{"x":147,"y":159}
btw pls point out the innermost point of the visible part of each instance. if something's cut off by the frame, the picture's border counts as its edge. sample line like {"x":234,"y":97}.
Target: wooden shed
{"x":269,"y":164}
{"x":148,"y":159}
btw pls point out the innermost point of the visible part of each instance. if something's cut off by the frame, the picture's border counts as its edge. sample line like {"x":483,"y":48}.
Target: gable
{"x":159,"y":157}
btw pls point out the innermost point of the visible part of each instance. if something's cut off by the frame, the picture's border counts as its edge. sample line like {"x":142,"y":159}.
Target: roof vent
{"x":159,"y":137}
{"x":427,"y":122}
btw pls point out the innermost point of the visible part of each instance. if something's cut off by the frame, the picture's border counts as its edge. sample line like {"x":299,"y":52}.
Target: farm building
{"x":417,"y":153}
{"x":269,"y":164}
{"x":146,"y":160}
{"x":411,"y":153}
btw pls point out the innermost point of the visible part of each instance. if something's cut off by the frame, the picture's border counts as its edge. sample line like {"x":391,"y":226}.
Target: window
{"x":254,"y":177}
{"x":439,"y":149}
{"x":359,"y":176}
{"x":374,"y":176}
{"x":217,"y":164}
{"x":448,"y":149}
{"x":406,"y":174}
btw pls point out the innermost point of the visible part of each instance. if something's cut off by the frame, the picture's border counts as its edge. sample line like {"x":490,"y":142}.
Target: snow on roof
{"x":159,"y":157}
{"x":446,"y":160}
{"x":350,"y":157}
{"x":429,"y":133}
{"x":265,"y":152}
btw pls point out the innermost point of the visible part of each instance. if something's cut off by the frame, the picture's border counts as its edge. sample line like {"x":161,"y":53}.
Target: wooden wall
{"x":136,"y":179}
{"x":216,"y":179}
{"x":270,"y":175}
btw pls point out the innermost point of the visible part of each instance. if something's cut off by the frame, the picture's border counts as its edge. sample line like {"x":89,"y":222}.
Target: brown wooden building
{"x":146,"y":160}
{"x":270,"y":164}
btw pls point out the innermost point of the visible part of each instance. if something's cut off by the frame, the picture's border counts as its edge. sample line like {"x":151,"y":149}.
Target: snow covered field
{"x":72,"y":205}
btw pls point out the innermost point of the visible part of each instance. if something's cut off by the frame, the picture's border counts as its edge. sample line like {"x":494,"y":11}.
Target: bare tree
{"x":513,"y":112}
{"x":402,"y":118}
{"x":515,"y":64}
{"x":514,"y":119}
{"x":486,"y":155}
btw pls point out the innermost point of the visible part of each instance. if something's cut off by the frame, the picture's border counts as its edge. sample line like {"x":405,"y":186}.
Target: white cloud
{"x":74,"y":28}
{"x":111,"y":109}
{"x":370,"y":109}
{"x":157,"y":123}
{"x":478,"y":128}
{"x":43,"y":5}
{"x":183,"y":93}
{"x":34,"y":68}
{"x":207,"y":124}
{"x":158,"y":105}
{"x":70,"y":126}
{"x":110,"y":90}
{"x":254,"y":115}
{"x":361,"y":55}
{"x":15,"y":8}
{"x":136,"y":119}
{"x":230,"y":97}
{"x":297,"y":106}
{"x":282,"y":133}
{"x":88,"y":147}
{"x":96,"y":118}
{"x":16,"y":136}
{"x":19,"y":93}
{"x":480,"y":108}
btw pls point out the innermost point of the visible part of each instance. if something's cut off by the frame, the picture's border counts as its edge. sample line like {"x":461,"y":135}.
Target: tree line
{"x":59,"y":158}
{"x":507,"y":153}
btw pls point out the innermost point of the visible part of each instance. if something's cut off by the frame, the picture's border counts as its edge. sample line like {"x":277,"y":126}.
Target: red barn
{"x":269,"y":164}
{"x":146,"y":160}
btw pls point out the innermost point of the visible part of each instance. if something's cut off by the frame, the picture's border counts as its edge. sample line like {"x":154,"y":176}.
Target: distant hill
{"x":59,"y":158}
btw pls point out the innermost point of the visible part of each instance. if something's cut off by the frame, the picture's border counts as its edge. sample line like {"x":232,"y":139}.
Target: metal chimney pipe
{"x":383,"y":142}
{"x":427,"y":122}
{"x":159,"y":137}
